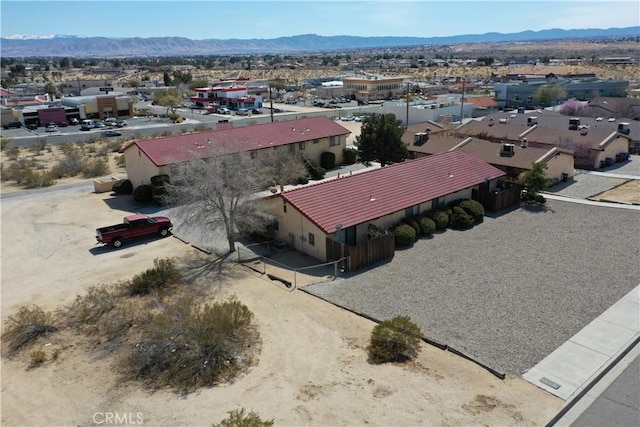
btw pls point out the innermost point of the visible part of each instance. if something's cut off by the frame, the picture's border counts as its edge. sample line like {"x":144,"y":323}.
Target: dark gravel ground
{"x":509,"y":291}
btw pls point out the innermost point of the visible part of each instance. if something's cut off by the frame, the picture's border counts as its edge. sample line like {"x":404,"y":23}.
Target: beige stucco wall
{"x":617,"y":146}
{"x":562,"y":163}
{"x":294,"y":228}
{"x":139,"y":168}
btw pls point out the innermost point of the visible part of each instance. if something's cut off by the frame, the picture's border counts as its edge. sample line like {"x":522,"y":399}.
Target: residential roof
{"x":496,"y":129}
{"x":363,"y":197}
{"x":182,"y":148}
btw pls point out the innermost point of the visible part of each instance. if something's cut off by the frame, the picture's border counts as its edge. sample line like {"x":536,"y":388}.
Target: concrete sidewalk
{"x":577,"y":363}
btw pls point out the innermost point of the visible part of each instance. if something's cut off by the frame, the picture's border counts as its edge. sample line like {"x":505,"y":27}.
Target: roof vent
{"x":491,"y":121}
{"x":574,"y":123}
{"x":584,"y":131}
{"x":507,"y":150}
{"x":420,"y":138}
{"x":524,"y":143}
{"x":532,"y":121}
{"x":624,"y":128}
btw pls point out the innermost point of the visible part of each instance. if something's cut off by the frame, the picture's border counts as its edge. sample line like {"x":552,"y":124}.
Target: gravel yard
{"x":509,"y":291}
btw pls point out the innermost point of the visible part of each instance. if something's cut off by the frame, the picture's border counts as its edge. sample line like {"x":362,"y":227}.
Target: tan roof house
{"x":308,"y":136}
{"x":342,"y":211}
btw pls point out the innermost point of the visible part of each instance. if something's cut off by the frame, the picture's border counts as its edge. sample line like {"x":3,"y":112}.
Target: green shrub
{"x":327,"y":160}
{"x":72,"y":164}
{"x":413,"y":222}
{"x":350,"y":156}
{"x":161,"y":276}
{"x":187,"y":345}
{"x":473,"y":208}
{"x":427,"y":225}
{"x":123,"y":186}
{"x":158,"y":184}
{"x":314,"y":169}
{"x":460,"y":220}
{"x":143,"y":194}
{"x":28,"y":324}
{"x":405,"y":235}
{"x":394,"y":340}
{"x":239,"y":418}
{"x":440,"y":218}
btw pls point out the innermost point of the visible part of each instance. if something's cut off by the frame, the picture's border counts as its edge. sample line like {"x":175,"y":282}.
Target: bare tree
{"x":281,"y":166}
{"x":219,"y":190}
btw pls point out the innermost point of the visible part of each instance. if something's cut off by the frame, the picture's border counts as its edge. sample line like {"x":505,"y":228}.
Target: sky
{"x":265,"y":19}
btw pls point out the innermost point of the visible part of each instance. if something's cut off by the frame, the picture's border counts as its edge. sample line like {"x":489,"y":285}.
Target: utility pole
{"x":407,"y":118}
{"x":462,"y":102}
{"x":270,"y":102}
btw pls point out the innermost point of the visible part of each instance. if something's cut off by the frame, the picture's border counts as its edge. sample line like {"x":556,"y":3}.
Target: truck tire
{"x":164,"y":232}
{"x":117,"y":242}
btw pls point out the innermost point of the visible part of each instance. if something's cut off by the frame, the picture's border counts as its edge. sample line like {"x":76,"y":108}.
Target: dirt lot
{"x":312,"y":369}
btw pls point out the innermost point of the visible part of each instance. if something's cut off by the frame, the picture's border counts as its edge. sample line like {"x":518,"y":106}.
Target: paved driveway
{"x":512,"y":289}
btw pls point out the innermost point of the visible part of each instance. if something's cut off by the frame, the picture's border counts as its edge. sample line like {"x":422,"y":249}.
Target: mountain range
{"x":73,"y":46}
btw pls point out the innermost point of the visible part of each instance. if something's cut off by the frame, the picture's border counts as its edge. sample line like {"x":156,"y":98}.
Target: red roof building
{"x":310,"y":136}
{"x":343,"y":208}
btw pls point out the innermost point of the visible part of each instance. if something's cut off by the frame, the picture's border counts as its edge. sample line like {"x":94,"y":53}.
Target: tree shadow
{"x":535,"y":208}
{"x":208,"y":270}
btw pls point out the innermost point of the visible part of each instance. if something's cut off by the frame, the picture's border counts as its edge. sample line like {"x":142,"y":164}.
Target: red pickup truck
{"x":134,"y":226}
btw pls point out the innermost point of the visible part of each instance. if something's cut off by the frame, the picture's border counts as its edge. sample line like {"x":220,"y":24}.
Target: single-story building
{"x":513,"y":159}
{"x":308,"y":136}
{"x":315,"y":218}
{"x":592,"y":148}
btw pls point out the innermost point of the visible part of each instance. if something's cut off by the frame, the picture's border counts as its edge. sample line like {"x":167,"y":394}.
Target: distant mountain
{"x":73,"y":46}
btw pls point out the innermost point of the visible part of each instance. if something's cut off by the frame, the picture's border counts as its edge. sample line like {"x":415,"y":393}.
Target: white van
{"x":87,"y":124}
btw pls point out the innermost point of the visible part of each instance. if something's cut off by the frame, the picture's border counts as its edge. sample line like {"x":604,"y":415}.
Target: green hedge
{"x":440,"y":218}
{"x":123,"y":186}
{"x":427,"y":225}
{"x":314,"y":169}
{"x":460,"y":220}
{"x":350,"y":156}
{"x":473,"y":208}
{"x":405,"y":235}
{"x":143,"y":194}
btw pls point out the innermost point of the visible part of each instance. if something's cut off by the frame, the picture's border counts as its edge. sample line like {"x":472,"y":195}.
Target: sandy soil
{"x":311,"y":370}
{"x":627,"y":193}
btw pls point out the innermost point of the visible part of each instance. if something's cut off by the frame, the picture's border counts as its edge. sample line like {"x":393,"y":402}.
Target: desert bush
{"x":186,"y":345}
{"x":460,"y":220}
{"x":87,"y":309}
{"x":13,"y":153}
{"x":37,"y":358}
{"x":71,"y":165}
{"x":440,"y":218}
{"x":5,"y":143}
{"x":114,"y":146}
{"x":427,"y":225}
{"x":405,"y":235}
{"x":143,"y":194}
{"x":200,"y":127}
{"x":38,"y":179}
{"x":394,"y":340}
{"x":95,"y":167}
{"x":161,"y":276}
{"x":38,"y":146}
{"x":121,"y":161}
{"x":25,"y":326}
{"x":350,"y":156}
{"x":240,"y":418}
{"x":122,"y":186}
{"x":473,"y":208}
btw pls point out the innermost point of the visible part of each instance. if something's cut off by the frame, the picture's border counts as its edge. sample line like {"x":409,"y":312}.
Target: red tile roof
{"x":182,"y":148}
{"x":355,"y":199}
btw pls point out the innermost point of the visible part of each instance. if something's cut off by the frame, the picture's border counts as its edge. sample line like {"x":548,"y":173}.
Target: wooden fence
{"x":363,"y":254}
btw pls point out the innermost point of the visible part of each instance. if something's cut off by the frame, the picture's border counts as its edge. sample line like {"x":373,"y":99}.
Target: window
{"x":334,"y":140}
{"x":254,"y":154}
{"x":438,"y":203}
{"x":312,"y":239}
{"x":301,"y":145}
{"x":315,"y":141}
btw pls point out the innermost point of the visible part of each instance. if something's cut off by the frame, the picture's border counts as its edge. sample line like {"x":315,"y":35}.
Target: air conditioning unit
{"x":507,"y":150}
{"x":574,"y":123}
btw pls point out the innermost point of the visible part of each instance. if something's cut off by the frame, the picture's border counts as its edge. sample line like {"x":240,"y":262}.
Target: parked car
{"x":51,"y":127}
{"x":121,"y":123}
{"x":256,"y":111}
{"x":223,"y":110}
{"x":242,"y":112}
{"x":32,"y":126}
{"x":99,"y":125}
{"x":278,"y":110}
{"x":110,"y":133}
{"x":12,"y":125}
{"x":63,"y":124}
{"x":74,"y":121}
{"x":110,"y":121}
{"x":134,"y":226}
